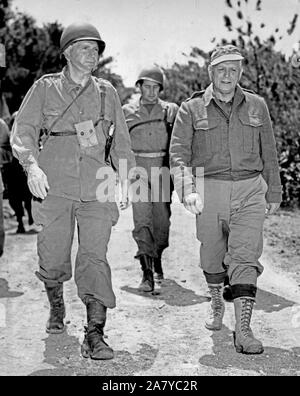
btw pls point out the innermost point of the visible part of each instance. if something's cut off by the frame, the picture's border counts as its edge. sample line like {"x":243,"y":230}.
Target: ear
{"x":66,"y":53}
{"x":241,"y":73}
{"x":139,"y":85}
{"x":210,"y":71}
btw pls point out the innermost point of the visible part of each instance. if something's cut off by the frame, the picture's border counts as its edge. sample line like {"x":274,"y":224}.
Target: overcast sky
{"x":139,"y":33}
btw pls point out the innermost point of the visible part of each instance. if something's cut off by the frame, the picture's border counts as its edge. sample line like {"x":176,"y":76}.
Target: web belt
{"x":150,"y":155}
{"x":67,"y":133}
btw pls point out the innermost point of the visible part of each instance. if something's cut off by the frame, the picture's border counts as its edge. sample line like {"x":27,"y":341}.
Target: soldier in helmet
{"x":150,"y":121}
{"x":227,"y":131}
{"x":76,"y":112}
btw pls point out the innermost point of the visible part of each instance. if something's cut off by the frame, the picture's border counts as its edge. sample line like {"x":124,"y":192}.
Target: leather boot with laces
{"x":147,"y":283}
{"x":94,"y":345}
{"x":55,"y":323}
{"x":217,"y":307}
{"x":244,"y":340}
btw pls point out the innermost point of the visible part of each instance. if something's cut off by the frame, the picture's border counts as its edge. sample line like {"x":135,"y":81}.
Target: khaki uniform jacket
{"x":228,"y":148}
{"x":150,"y":137}
{"x":70,"y":169}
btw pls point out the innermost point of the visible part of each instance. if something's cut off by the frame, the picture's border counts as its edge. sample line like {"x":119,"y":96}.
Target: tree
{"x":268,"y":73}
{"x":33,"y":51}
{"x":104,"y":71}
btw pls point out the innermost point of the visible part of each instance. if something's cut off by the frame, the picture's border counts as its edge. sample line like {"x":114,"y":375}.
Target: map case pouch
{"x":86,"y":134}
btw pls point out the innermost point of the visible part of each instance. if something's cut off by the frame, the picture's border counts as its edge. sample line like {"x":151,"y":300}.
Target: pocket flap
{"x":205,"y":124}
{"x":253,"y":120}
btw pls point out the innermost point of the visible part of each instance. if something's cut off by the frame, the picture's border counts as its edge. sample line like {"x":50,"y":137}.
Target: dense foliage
{"x":32,"y":51}
{"x":268,"y":73}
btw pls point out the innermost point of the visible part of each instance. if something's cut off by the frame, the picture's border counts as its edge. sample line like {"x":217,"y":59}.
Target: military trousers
{"x":151,"y":227}
{"x":152,"y":212}
{"x":230,"y":229}
{"x":58,"y":216}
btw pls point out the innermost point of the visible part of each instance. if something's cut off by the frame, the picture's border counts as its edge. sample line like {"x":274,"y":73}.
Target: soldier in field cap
{"x":226,"y":130}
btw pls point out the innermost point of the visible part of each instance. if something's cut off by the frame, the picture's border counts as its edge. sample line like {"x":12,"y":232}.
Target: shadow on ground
{"x":62,"y":351}
{"x":171,"y":293}
{"x":5,"y":292}
{"x":273,"y":362}
{"x":270,"y":302}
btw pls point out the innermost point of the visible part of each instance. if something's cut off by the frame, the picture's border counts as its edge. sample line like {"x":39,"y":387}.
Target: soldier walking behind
{"x":150,"y":121}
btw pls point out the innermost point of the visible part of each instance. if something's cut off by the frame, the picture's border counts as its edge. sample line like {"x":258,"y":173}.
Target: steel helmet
{"x":154,"y":74}
{"x":79,"y":31}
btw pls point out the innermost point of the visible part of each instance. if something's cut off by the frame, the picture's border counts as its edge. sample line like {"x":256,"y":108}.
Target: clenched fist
{"x":193,"y":203}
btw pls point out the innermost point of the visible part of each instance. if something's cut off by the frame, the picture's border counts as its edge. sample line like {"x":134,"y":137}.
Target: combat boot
{"x":21,"y":228}
{"x":94,"y":345}
{"x":217,"y":307}
{"x":147,"y":283}
{"x":158,"y":272}
{"x":55,"y":323}
{"x":244,"y":340}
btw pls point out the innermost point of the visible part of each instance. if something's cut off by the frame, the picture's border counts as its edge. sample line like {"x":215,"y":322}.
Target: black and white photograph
{"x":149,"y":191}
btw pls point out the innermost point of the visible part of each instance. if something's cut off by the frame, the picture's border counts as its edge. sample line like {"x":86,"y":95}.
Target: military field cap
{"x":225,"y":53}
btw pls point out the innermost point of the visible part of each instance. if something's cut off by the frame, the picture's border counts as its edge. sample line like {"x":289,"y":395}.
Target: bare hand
{"x":272,"y":207}
{"x":37,"y":182}
{"x":125,"y":200}
{"x":193,"y":203}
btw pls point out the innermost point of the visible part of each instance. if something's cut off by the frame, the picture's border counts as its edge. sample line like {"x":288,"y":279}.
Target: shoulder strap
{"x":145,"y":122}
{"x":102,"y":90}
{"x":102,"y":105}
{"x":165,"y":120}
{"x":49,"y":130}
{"x":195,"y":94}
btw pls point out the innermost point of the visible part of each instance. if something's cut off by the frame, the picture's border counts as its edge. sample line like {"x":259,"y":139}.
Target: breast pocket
{"x":50,"y":115}
{"x":251,"y":126}
{"x":207,"y":137}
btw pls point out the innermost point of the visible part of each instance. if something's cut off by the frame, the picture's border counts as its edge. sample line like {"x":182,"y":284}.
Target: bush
{"x":269,"y":74}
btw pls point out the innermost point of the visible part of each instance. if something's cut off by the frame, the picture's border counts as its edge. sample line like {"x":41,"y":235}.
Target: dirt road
{"x":161,"y":334}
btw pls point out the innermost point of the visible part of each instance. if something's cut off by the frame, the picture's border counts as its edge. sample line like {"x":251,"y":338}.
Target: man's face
{"x":150,"y":91}
{"x":225,"y":76}
{"x":84,"y":55}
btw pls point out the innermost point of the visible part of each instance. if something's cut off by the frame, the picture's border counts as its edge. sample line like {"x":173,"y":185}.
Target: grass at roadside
{"x":282,"y":236}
